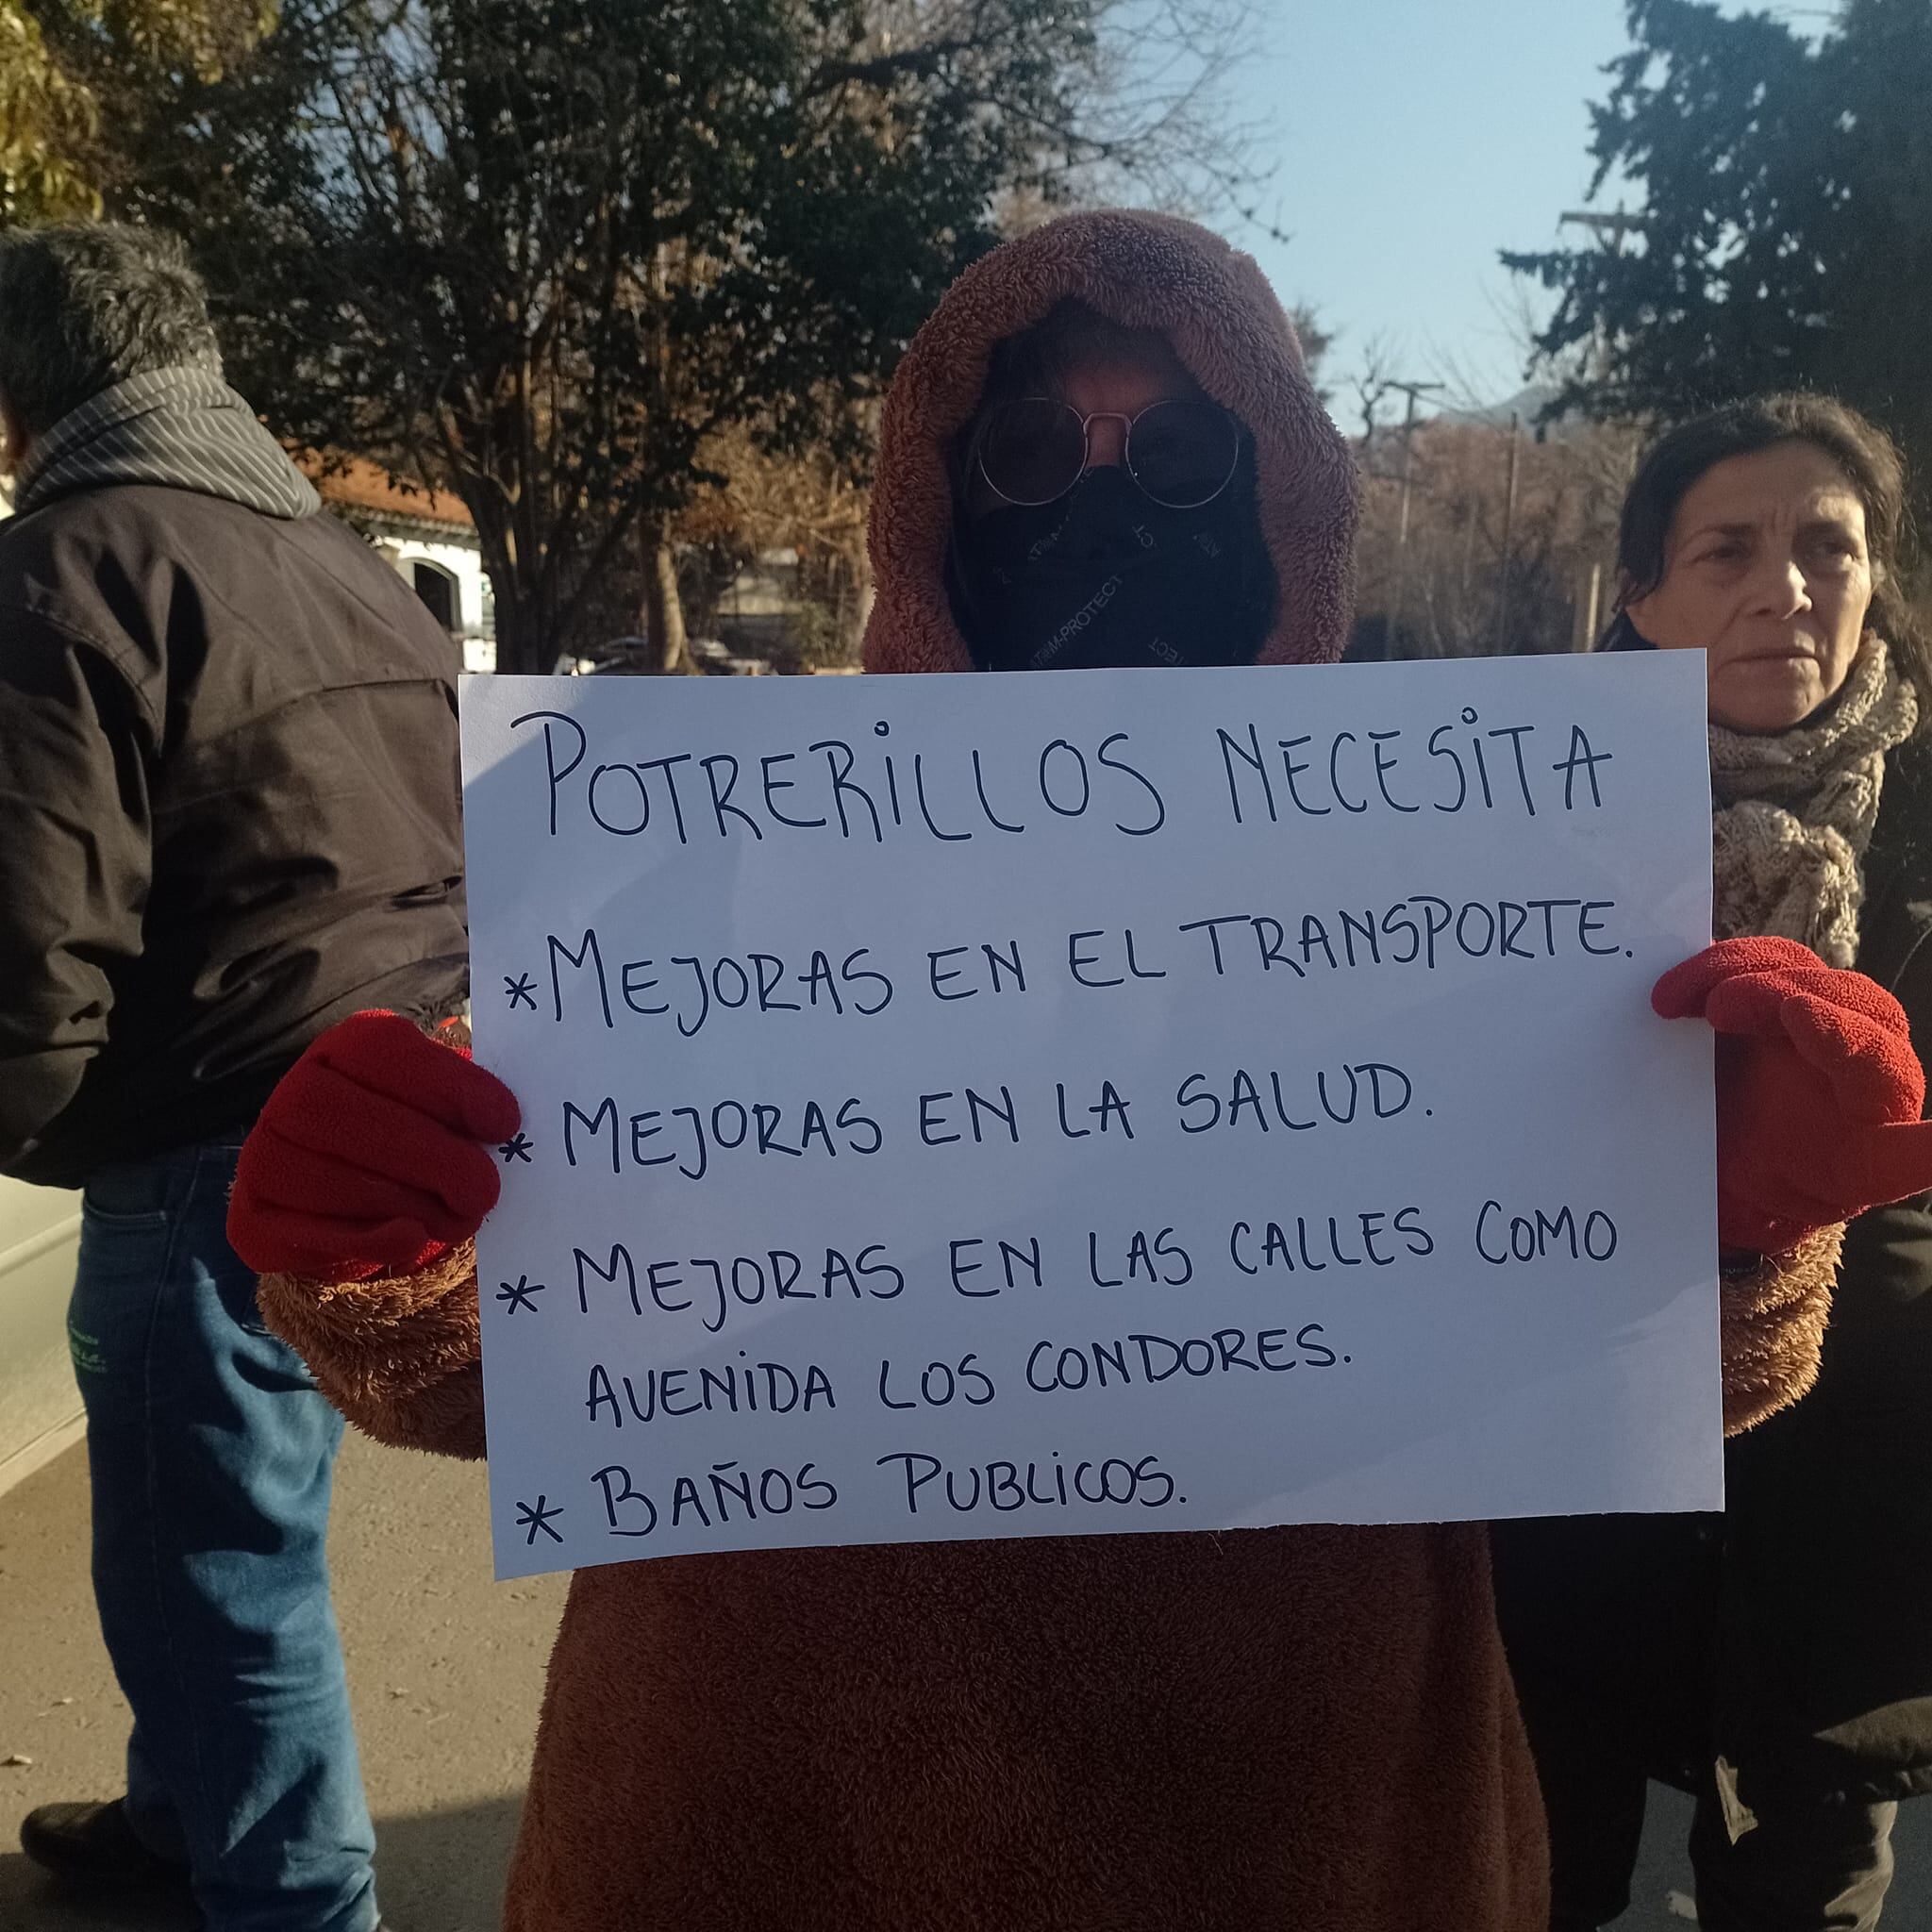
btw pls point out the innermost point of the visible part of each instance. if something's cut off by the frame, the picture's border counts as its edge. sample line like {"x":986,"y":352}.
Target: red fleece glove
{"x":1819,"y":1092}
{"x":367,"y":1158}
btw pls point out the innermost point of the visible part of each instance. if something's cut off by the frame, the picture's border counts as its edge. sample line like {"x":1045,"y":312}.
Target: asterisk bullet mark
{"x":522,"y":991}
{"x":538,"y":1517}
{"x":519,"y":1296}
{"x":516,"y":1149}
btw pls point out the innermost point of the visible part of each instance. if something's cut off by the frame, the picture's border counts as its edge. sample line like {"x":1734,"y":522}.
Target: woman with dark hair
{"x":1777,"y":1660}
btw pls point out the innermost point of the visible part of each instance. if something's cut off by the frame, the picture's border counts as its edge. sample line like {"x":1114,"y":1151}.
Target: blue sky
{"x":1416,"y":138}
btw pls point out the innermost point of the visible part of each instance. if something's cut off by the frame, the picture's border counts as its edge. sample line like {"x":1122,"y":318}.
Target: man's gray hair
{"x":85,"y":305}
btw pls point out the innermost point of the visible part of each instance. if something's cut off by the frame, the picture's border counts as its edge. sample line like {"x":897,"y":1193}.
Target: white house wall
{"x":465,"y":565}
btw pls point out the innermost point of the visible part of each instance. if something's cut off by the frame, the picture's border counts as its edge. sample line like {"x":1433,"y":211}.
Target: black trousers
{"x":1803,"y":1866}
{"x":1611,"y":1624}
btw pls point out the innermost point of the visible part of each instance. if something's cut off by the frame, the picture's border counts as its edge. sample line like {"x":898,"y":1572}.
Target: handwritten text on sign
{"x":978,"y":1106}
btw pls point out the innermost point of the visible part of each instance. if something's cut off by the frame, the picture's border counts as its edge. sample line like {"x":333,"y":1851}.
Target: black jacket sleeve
{"x":76,"y":747}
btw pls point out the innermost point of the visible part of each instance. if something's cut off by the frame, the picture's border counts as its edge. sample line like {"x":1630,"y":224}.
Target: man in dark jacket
{"x":229,"y":818}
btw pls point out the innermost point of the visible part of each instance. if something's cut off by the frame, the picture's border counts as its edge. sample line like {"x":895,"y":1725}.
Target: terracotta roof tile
{"x":355,"y":483}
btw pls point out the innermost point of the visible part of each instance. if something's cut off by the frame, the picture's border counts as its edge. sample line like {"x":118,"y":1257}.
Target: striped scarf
{"x":182,"y":428}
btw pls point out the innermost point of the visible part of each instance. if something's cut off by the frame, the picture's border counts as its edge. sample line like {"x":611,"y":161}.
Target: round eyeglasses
{"x":1181,"y":454}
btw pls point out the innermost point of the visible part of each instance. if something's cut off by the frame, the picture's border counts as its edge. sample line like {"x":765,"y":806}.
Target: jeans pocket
{"x":135,"y":1195}
{"x":120,"y":1272}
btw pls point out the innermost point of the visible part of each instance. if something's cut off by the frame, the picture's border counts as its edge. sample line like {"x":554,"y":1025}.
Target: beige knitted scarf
{"x":1793,"y":814}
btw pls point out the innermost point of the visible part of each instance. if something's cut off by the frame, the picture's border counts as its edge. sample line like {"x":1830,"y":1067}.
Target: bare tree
{"x":1484,"y":570}
{"x":1373,"y":383}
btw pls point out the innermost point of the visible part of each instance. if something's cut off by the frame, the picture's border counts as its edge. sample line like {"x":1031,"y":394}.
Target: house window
{"x":438,"y":590}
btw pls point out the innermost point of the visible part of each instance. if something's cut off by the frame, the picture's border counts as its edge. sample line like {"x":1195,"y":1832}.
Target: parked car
{"x":634,"y":657}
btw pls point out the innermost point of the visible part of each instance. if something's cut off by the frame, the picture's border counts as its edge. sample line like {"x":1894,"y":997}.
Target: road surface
{"x":446,"y":1669}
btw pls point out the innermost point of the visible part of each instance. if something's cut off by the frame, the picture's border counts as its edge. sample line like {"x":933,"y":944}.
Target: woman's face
{"x":1766,"y":568}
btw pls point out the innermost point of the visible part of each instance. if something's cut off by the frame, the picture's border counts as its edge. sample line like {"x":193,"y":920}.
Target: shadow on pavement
{"x":31,"y":1901}
{"x":444,"y":1871}
{"x":436,"y":1872}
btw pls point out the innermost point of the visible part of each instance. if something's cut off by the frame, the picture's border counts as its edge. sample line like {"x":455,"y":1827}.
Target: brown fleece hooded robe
{"x":1310,"y":1729}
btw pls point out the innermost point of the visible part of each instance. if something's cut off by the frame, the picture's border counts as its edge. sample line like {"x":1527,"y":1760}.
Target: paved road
{"x":446,"y":1669}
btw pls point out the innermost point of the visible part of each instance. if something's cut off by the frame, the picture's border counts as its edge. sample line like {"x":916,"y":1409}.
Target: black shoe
{"x":94,"y":1844}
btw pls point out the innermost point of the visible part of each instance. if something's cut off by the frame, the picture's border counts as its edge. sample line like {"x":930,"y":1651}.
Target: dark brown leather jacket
{"x":229,"y":814}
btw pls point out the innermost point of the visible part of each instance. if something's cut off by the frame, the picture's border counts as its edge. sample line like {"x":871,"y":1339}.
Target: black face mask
{"x":1106,"y":579}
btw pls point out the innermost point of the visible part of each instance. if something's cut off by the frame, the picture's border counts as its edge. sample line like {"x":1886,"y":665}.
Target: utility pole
{"x":1611,"y":231}
{"x":1509,"y":532}
{"x":1587,"y":606}
{"x":1465,"y":619}
{"x":1398,"y":596}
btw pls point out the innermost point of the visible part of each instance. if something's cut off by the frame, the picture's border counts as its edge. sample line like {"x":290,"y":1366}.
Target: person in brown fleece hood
{"x":1308,"y":1729}
{"x":1152,"y":308}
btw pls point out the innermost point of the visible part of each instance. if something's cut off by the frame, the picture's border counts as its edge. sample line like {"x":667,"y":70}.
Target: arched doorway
{"x":437,"y":587}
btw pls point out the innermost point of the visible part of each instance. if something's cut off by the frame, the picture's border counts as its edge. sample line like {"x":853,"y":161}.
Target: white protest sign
{"x":983,"y":1106}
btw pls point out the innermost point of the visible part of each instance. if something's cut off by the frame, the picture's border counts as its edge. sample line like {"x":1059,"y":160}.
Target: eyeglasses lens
{"x":1034,"y":451}
{"x":1183,"y":453}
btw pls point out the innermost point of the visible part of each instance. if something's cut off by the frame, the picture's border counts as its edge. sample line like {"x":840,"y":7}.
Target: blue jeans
{"x":211,"y":1453}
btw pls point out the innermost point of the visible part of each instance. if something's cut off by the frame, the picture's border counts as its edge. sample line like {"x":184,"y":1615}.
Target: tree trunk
{"x":663,"y":606}
{"x":521,"y":645}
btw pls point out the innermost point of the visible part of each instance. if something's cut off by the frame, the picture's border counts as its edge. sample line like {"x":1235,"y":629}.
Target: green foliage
{"x":1785,"y":235}
{"x":71,"y":69}
{"x":48,"y":122}
{"x":548,"y":252}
